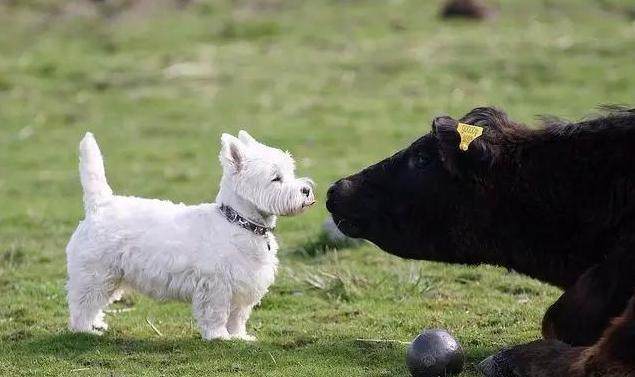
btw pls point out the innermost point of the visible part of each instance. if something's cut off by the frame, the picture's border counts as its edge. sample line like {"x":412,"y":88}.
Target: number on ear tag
{"x":468,"y":134}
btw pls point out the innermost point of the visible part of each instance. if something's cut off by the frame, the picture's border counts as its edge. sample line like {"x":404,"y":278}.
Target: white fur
{"x":175,"y":251}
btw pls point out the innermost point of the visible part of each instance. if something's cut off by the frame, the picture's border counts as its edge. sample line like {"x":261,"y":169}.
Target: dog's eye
{"x":277,"y":178}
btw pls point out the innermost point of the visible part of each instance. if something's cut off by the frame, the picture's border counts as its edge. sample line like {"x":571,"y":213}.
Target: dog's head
{"x":264,"y":176}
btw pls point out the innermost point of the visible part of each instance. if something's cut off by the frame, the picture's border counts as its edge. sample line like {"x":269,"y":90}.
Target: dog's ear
{"x":461,"y":146}
{"x":232,"y":153}
{"x":246,"y":138}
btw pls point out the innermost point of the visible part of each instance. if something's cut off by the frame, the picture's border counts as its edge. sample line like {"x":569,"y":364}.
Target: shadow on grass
{"x":110,"y":351}
{"x":321,"y":244}
{"x":69,"y":345}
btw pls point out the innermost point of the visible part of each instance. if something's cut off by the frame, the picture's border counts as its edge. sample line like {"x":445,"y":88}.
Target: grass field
{"x":340,"y":84}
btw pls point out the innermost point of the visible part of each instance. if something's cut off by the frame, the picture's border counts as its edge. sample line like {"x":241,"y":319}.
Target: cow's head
{"x":405,"y":203}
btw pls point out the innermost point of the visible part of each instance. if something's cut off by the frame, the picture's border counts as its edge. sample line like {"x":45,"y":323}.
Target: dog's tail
{"x":92,"y":174}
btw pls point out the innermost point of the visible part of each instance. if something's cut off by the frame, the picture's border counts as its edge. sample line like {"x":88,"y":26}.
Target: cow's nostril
{"x":341,"y":188}
{"x":330,"y":191}
{"x":345,"y":185}
{"x":306,"y":191}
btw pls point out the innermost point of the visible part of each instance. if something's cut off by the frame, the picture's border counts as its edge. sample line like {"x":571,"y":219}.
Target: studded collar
{"x":234,"y":217}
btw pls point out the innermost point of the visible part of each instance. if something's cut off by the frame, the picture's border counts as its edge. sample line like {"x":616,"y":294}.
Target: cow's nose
{"x":337,"y":194}
{"x":343,"y":187}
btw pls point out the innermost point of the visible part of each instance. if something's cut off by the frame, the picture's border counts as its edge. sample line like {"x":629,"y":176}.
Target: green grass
{"x":341,"y":84}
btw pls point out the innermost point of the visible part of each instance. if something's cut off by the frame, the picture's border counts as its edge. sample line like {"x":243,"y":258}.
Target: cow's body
{"x":557,"y":204}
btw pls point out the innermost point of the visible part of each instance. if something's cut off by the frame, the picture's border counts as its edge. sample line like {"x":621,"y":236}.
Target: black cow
{"x":555,"y":203}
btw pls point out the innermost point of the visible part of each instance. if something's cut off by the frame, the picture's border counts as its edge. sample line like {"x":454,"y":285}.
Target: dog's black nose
{"x":306,"y":191}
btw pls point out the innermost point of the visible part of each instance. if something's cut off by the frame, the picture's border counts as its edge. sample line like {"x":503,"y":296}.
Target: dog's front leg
{"x":211,"y":306}
{"x":237,"y":324}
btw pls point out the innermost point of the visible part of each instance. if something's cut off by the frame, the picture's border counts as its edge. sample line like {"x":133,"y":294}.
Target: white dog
{"x":221,"y":256}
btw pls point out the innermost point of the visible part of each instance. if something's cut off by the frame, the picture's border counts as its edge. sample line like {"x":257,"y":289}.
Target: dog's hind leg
{"x":211,"y":305}
{"x":237,"y":323}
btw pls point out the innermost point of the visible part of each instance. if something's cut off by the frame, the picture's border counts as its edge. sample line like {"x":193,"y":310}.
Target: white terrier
{"x":221,"y":256}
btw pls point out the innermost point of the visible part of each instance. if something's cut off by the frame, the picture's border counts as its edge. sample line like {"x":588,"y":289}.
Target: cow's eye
{"x":421,"y":160}
{"x":277,"y":178}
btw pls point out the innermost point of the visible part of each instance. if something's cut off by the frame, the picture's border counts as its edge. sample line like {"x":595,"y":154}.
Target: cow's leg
{"x":584,"y":310}
{"x":613,"y":355}
{"x":542,"y":358}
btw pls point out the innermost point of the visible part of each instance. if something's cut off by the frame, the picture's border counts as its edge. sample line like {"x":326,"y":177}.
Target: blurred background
{"x":340,"y":84}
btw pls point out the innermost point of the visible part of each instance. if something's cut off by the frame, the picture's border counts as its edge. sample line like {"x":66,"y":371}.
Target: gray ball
{"x":434,"y":353}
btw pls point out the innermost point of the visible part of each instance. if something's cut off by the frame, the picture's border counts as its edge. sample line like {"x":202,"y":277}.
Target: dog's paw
{"x":99,"y":329}
{"x":216,"y":335}
{"x":99,"y":323}
{"x":244,"y":337}
{"x":91,"y":330}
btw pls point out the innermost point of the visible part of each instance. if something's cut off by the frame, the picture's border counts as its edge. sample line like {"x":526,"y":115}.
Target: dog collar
{"x":235,"y":218}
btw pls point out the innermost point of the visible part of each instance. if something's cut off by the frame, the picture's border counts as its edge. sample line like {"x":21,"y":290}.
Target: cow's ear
{"x":461,"y":146}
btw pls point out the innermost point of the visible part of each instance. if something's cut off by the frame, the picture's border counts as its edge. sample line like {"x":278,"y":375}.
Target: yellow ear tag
{"x":468,"y":134}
